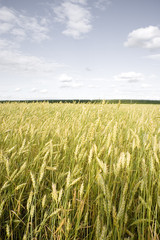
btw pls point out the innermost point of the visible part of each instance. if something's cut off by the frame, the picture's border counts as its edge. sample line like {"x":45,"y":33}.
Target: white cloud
{"x":18,"y":89}
{"x":37,"y":28}
{"x":5,"y":44}
{"x":17,"y":27}
{"x":130,"y":77}
{"x":84,"y":2}
{"x":71,"y":85}
{"x":76,"y":18}
{"x":16,"y":61}
{"x":102,"y":4}
{"x":34,"y":90}
{"x":148,"y":37}
{"x":21,"y":26}
{"x":65,"y":78}
{"x":7,"y":15}
{"x":154,"y":57}
{"x":5,"y":28}
{"x":19,"y":33}
{"x":67,"y":81}
{"x":43,"y":91}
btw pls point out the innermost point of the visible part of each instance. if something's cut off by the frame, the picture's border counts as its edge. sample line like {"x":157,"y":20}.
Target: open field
{"x":79,"y":171}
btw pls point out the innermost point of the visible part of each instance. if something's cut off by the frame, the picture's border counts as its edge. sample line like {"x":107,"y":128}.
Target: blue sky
{"x":79,"y":49}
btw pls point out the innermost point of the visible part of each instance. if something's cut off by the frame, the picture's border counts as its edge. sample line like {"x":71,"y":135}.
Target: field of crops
{"x":79,"y":171}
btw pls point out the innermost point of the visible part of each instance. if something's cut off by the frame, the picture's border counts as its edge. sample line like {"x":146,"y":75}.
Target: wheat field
{"x":79,"y":171}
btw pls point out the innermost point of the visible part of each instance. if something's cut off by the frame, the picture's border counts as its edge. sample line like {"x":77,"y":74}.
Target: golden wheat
{"x":79,"y":171}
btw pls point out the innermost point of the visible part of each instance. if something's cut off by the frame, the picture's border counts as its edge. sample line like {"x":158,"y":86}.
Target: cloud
{"x":102,"y":4}
{"x":18,"y":27}
{"x":16,"y":61}
{"x":5,"y":44}
{"x":5,"y":28}
{"x":154,"y":57}
{"x":75,"y":17}
{"x":72,"y":85}
{"x":65,"y":78}
{"x":34,"y":90}
{"x":7,"y":15}
{"x":148,"y":38}
{"x":18,"y":89}
{"x":43,"y":91}
{"x":67,"y":81}
{"x":19,"y":33}
{"x":130,"y":77}
{"x":22,"y":27}
{"x":84,"y":2}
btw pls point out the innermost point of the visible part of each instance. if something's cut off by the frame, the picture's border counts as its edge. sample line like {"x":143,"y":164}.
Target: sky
{"x":79,"y":49}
